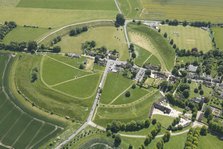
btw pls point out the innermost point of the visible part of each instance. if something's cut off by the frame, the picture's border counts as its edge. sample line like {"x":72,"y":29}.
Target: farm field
{"x":107,"y":36}
{"x":53,"y":18}
{"x":43,"y":95}
{"x":18,"y":128}
{"x":133,"y":111}
{"x":188,"y":37}
{"x":20,"y":34}
{"x":153,"y":42}
{"x":69,"y":4}
{"x":189,"y":10}
{"x":218,"y":35}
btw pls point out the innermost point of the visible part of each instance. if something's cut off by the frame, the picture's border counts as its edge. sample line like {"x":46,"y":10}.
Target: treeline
{"x":193,"y":52}
{"x":78,"y":31}
{"x":30,"y":46}
{"x":185,"y":23}
{"x":6,"y":28}
{"x":215,"y":127}
{"x":192,"y":139}
{"x":117,"y":126}
{"x":173,"y":126}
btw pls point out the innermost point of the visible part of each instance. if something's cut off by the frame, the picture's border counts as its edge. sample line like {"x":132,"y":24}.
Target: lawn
{"x":114,"y":86}
{"x":51,"y":17}
{"x":189,"y":10}
{"x":188,"y":37}
{"x":218,"y":35}
{"x":136,"y":111}
{"x":153,"y":60}
{"x":165,"y":121}
{"x":152,"y":41}
{"x":107,"y":36}
{"x":69,"y":4}
{"x":136,"y":94}
{"x":176,"y":142}
{"x":209,"y":141}
{"x":142,"y":55}
{"x":19,"y":127}
{"x":20,"y":34}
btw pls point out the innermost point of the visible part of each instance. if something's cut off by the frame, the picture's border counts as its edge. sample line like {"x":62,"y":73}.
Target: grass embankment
{"x":152,"y":41}
{"x":45,"y":97}
{"x":21,"y":127}
{"x":188,"y":37}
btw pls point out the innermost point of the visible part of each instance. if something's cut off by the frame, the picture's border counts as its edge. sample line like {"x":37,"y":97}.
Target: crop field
{"x":188,"y":37}
{"x":126,"y":112}
{"x":154,"y":43}
{"x":19,"y":129}
{"x":200,"y":10}
{"x":43,"y":95}
{"x":69,"y":4}
{"x":218,"y":35}
{"x":107,"y":36}
{"x":20,"y":34}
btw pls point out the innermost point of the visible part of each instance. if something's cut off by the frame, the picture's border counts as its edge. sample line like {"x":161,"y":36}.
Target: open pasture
{"x":199,"y":10}
{"x":188,"y":37}
{"x":45,"y":96}
{"x":53,"y":18}
{"x":69,"y":4}
{"x":20,"y":34}
{"x":19,"y":129}
{"x":142,"y":55}
{"x":131,"y":8}
{"x":153,"y":42}
{"x":107,"y":36}
{"x":133,"y":111}
{"x":218,"y":36}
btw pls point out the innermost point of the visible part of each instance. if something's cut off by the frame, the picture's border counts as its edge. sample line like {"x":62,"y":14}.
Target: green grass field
{"x":153,"y":60}
{"x":69,"y":4}
{"x":209,"y":141}
{"x":18,"y":128}
{"x":131,"y":8}
{"x":188,"y":37}
{"x":136,"y":111}
{"x":43,"y":95}
{"x":142,"y":55}
{"x":20,"y":34}
{"x":107,"y":36}
{"x":52,"y":17}
{"x":165,"y":121}
{"x":218,"y":35}
{"x":153,"y":42}
{"x":114,"y":86}
{"x":190,"y":10}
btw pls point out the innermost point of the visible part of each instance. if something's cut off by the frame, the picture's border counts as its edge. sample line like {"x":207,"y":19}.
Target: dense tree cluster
{"x":120,"y":20}
{"x":78,"y":30}
{"x":173,"y":126}
{"x":117,"y":126}
{"x":6,"y":28}
{"x":192,"y":139}
{"x":216,"y":127}
{"x":56,"y":40}
{"x":31,"y":46}
{"x":165,"y":86}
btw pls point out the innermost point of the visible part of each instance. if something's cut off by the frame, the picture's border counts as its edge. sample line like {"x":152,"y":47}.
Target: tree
{"x":154,"y":121}
{"x":201,"y":92}
{"x":130,"y":146}
{"x":166,"y":137}
{"x":165,"y":35}
{"x":203,"y":131}
{"x":117,"y":141}
{"x":127,"y":94}
{"x":32,"y":46}
{"x":148,"y":72}
{"x":186,"y":93}
{"x":133,"y":55}
{"x":56,"y":49}
{"x":171,"y":41}
{"x":195,"y":90}
{"x":160,"y":144}
{"x":207,"y":112}
{"x":133,"y":86}
{"x":147,"y":141}
{"x":81,"y":66}
{"x":120,"y":20}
